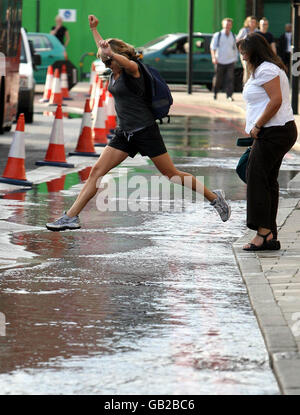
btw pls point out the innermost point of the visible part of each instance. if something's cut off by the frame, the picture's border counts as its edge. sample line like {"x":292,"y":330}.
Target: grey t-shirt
{"x":132,"y":109}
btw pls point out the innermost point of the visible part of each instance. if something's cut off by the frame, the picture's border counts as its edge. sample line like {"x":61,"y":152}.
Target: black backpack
{"x":158,"y":94}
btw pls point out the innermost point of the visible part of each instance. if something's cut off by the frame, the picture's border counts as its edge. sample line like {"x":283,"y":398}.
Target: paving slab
{"x":273,"y":284}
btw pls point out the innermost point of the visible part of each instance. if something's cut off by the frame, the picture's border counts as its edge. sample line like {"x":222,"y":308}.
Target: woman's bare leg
{"x":110,"y":158}
{"x":166,"y":166}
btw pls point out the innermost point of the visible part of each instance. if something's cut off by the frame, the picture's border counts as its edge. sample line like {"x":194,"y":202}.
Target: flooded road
{"x":136,"y":302}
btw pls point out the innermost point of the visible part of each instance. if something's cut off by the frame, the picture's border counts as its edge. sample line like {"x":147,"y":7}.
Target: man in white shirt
{"x":224,"y":54}
{"x":285,"y":45}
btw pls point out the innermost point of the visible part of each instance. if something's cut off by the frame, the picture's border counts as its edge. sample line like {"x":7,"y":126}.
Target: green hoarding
{"x":135,"y":21}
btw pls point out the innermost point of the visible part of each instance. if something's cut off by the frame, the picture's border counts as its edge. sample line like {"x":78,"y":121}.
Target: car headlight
{"x":24,"y":81}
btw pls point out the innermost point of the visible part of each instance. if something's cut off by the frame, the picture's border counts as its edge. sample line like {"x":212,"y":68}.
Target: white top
{"x":288,"y":36}
{"x":257,"y":99}
{"x":226,"y":50}
{"x":244,"y":33}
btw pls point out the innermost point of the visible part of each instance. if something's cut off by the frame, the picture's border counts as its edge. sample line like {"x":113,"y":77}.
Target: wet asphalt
{"x":137,"y":302}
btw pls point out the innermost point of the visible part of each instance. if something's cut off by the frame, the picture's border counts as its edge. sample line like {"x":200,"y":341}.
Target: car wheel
{"x":209,"y":86}
{"x":7,"y":129}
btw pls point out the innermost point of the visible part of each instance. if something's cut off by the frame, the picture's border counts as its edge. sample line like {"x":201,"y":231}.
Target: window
{"x":181,"y":46}
{"x":178,"y":47}
{"x":40,"y":43}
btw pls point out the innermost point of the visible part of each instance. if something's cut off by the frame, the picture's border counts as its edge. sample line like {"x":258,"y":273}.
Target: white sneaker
{"x":221,"y":206}
{"x":63,"y":223}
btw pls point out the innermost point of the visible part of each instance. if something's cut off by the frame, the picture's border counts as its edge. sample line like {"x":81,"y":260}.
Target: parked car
{"x":101,"y":69}
{"x":50,"y":49}
{"x":168,"y":54}
{"x":28,"y":60}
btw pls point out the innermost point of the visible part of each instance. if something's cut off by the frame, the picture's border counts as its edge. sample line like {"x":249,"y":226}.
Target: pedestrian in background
{"x":285,"y":46}
{"x":263,"y":30}
{"x":270,"y":121}
{"x":250,"y":26}
{"x":224,"y":56}
{"x":137,"y":131}
{"x":60,"y":31}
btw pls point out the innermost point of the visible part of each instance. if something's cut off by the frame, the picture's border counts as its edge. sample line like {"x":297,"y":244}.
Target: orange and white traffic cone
{"x":93,"y":93}
{"x":14,"y":172}
{"x":111,"y":112}
{"x":92,"y":78}
{"x":85,"y":144}
{"x":56,"y":185}
{"x":56,"y":95}
{"x":84,"y":174}
{"x":55,"y":155}
{"x":99,"y":127}
{"x":64,"y":83}
{"x":48,"y":85}
{"x":98,"y":94}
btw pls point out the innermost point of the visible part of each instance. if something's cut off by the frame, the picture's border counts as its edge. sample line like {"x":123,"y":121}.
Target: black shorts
{"x":147,"y":142}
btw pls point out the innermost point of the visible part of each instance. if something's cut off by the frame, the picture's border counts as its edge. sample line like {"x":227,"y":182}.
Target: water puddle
{"x":136,"y":301}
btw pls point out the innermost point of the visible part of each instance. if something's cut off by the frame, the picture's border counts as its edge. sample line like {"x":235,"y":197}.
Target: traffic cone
{"x":48,"y":85}
{"x":20,"y":196}
{"x":56,"y":95}
{"x":64,"y":83}
{"x":98,"y":94}
{"x":92,"y":78}
{"x":85,"y":145}
{"x":56,"y":185}
{"x":93,"y":93}
{"x":99,"y":127}
{"x":84,"y":174}
{"x":111,"y":122}
{"x":55,"y":155}
{"x":14,"y":172}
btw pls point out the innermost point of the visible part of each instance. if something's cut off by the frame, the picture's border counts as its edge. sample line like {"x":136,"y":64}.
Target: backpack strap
{"x":218,"y":39}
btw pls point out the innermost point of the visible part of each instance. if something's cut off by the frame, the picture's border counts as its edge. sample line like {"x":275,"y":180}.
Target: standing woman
{"x":270,"y":122}
{"x":137,"y":131}
{"x":250,"y":26}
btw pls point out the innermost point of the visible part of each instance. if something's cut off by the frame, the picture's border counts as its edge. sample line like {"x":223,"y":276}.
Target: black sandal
{"x":271,"y":245}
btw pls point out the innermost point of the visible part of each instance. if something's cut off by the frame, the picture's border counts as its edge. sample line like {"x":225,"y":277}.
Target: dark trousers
{"x":262,"y":174}
{"x":224,"y":76}
{"x":286,"y":60}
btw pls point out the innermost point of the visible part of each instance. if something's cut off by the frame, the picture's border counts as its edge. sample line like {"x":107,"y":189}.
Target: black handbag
{"x":241,"y":168}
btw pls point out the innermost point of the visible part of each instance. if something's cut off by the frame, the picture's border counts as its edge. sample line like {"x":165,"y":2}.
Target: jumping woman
{"x":137,"y":131}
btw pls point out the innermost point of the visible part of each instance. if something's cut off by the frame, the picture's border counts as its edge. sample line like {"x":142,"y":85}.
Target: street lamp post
{"x":38,"y":10}
{"x":295,"y":52}
{"x":254,"y":7}
{"x":190,"y":53}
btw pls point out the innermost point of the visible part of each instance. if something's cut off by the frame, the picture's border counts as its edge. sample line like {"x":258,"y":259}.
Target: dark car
{"x":168,"y":54}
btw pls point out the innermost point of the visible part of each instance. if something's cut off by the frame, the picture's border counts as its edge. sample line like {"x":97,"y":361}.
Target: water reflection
{"x":136,"y":302}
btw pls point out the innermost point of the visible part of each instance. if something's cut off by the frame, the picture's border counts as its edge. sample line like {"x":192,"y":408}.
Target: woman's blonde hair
{"x":122,"y":48}
{"x":248,"y":20}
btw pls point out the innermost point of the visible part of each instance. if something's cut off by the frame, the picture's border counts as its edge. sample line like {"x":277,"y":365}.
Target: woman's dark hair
{"x":258,"y":50}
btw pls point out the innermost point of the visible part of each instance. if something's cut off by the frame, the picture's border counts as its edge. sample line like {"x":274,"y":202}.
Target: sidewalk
{"x":273,"y":283}
{"x":272,"y":278}
{"x":199,"y":102}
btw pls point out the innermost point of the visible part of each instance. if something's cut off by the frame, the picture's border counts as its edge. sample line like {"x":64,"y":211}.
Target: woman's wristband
{"x":256,"y":126}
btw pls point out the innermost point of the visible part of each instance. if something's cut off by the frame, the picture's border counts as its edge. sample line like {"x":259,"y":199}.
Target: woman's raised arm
{"x":93,"y":21}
